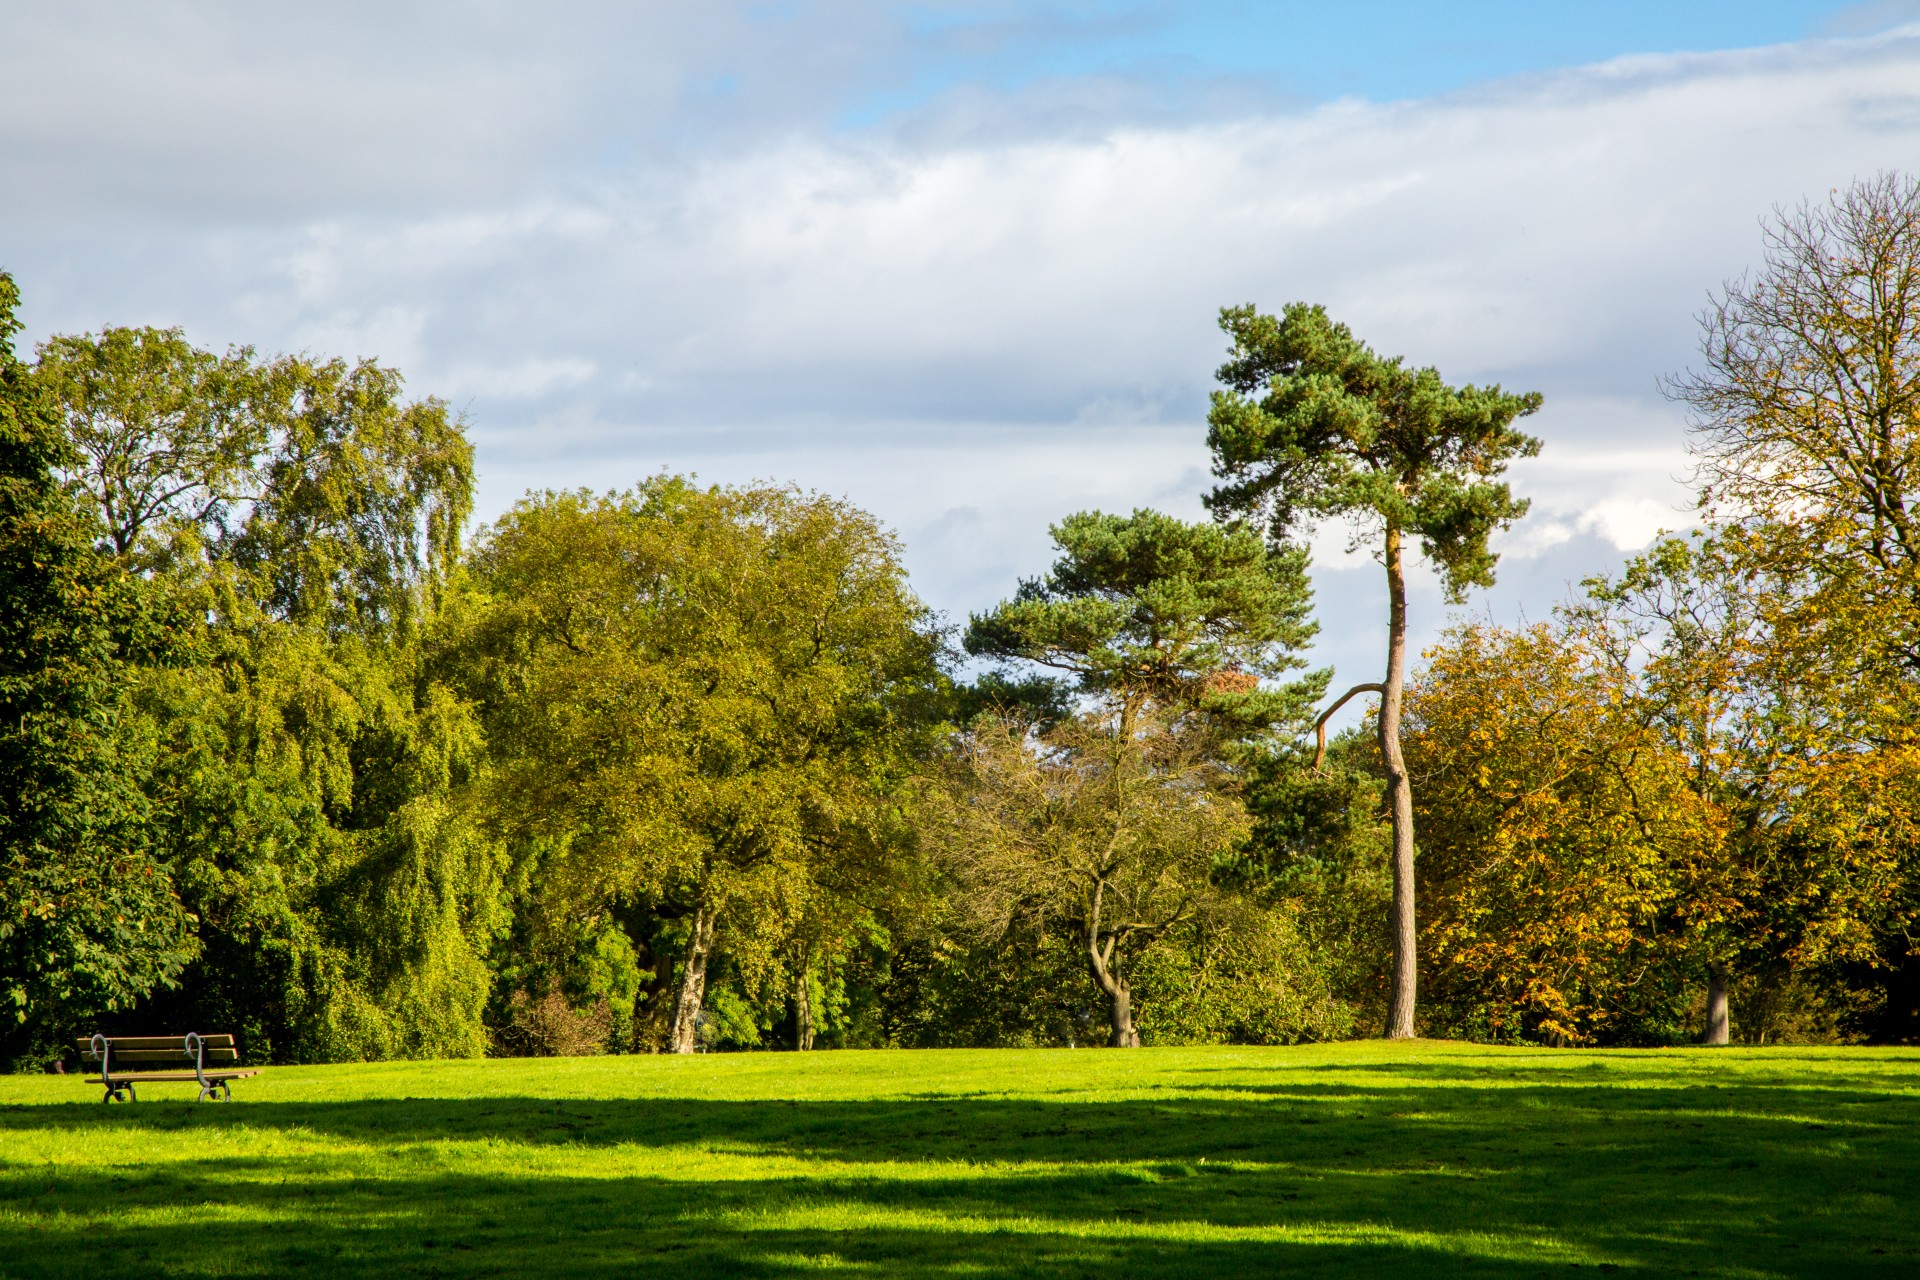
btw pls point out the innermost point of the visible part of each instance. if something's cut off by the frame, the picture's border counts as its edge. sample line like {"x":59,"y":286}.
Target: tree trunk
{"x":1399,"y":800}
{"x":693,"y":984}
{"x":1716,"y":1032}
{"x":1123,"y":1034}
{"x":802,"y":1012}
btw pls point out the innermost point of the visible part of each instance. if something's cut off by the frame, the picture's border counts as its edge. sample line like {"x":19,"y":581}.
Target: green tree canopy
{"x":89,"y":922}
{"x":1147,"y":607}
{"x":701,"y":697}
{"x":304,"y":781}
{"x":1111,"y":836}
{"x":1314,"y":424}
{"x":164,"y":434}
{"x":341,"y":500}
{"x":363,"y":497}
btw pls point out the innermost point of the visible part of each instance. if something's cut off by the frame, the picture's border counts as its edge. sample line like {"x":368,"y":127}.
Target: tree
{"x":702,"y":699}
{"x":163,"y":433}
{"x":1313,"y":424}
{"x":1177,"y":634}
{"x":1112,"y":834}
{"x":1570,"y":866}
{"x":1149,"y":610}
{"x":363,"y":498}
{"x":1751,"y":672}
{"x":307,"y":770}
{"x":1320,"y":847}
{"x":1806,"y":425}
{"x":90,"y":923}
{"x":1807,"y":414}
{"x":341,"y":500}
{"x":1651,"y":791}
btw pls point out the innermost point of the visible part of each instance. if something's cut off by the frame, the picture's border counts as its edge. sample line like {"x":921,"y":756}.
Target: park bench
{"x":111,"y":1055}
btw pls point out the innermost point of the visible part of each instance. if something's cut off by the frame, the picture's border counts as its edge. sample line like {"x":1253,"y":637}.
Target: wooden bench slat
{"x":157,"y":1042}
{"x":166,"y":1055}
{"x":141,"y":1077}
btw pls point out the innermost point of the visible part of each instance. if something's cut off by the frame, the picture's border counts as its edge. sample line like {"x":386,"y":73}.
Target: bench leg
{"x":122,"y":1092}
{"x":218,"y":1091}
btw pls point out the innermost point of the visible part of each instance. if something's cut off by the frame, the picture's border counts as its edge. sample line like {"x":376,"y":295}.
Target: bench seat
{"x":208,"y":1060}
{"x":143,"y":1076}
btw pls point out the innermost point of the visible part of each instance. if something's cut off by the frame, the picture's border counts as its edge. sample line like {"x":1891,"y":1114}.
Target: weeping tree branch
{"x":1320,"y":725}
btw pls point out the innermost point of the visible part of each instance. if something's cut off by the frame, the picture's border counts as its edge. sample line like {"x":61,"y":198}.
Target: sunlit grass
{"x":1425,"y":1159}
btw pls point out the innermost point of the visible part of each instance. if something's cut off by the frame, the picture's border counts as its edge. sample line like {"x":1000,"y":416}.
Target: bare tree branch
{"x":1320,"y":725}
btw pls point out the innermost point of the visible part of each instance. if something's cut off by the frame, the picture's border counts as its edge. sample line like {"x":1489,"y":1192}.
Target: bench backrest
{"x":135,"y":1052}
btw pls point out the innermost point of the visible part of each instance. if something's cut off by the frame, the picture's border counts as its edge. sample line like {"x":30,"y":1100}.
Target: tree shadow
{"x":1544,"y":1069}
{"x":1437,"y":1178}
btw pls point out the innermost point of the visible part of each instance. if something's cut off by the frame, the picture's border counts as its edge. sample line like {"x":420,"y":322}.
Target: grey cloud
{"x":113,"y":110}
{"x":974,"y":337}
{"x":1567,"y":234}
{"x":1871,"y":17}
{"x":199,"y":109}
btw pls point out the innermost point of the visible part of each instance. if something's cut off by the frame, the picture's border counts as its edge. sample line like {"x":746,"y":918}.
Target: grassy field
{"x":1360,"y":1159}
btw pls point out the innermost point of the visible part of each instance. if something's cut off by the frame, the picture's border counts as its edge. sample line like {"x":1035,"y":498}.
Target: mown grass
{"x":1360,"y":1159}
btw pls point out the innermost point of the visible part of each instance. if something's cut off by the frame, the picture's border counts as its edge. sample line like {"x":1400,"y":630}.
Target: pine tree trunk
{"x":1716,"y":1032}
{"x":693,"y":984}
{"x":1399,"y":800}
{"x":802,"y":1012}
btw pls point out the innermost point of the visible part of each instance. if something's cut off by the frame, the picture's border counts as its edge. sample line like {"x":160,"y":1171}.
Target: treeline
{"x":286,"y":750}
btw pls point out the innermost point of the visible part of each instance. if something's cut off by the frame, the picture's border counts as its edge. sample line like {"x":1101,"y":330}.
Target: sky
{"x":958,"y":263}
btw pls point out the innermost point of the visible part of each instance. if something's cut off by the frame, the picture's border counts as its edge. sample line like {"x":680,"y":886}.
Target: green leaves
{"x":166,"y":437}
{"x":89,"y":921}
{"x":701,"y":699}
{"x":287,"y":527}
{"x":1314,"y":425}
{"x":363,"y":499}
{"x":341,"y":502}
{"x":1148,"y":607}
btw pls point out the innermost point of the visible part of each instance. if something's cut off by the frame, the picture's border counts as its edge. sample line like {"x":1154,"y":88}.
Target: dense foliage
{"x":90,"y":919}
{"x":284,"y":750}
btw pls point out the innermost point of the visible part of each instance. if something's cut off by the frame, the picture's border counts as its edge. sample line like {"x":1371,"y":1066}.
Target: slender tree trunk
{"x":693,"y":984}
{"x":802,"y":1010}
{"x":1122,"y":1035}
{"x":1716,"y":1032}
{"x":1399,"y":800}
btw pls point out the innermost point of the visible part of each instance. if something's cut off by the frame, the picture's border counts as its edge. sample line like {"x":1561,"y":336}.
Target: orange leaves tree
{"x":1565,"y":859}
{"x":1806,"y":424}
{"x":1654,"y":789}
{"x":1751,"y":669}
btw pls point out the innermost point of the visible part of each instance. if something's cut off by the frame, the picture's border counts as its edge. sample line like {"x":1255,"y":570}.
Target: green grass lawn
{"x":1357,"y":1159}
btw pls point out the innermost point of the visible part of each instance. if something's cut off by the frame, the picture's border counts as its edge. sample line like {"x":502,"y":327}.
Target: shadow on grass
{"x":1418,"y":1179}
{"x":1695,"y":1066}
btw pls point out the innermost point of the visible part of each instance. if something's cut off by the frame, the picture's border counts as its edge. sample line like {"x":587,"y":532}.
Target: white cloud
{"x":519,"y":381}
{"x":975,"y":339}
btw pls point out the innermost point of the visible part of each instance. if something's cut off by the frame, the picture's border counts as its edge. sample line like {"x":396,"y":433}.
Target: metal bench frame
{"x":122,"y":1090}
